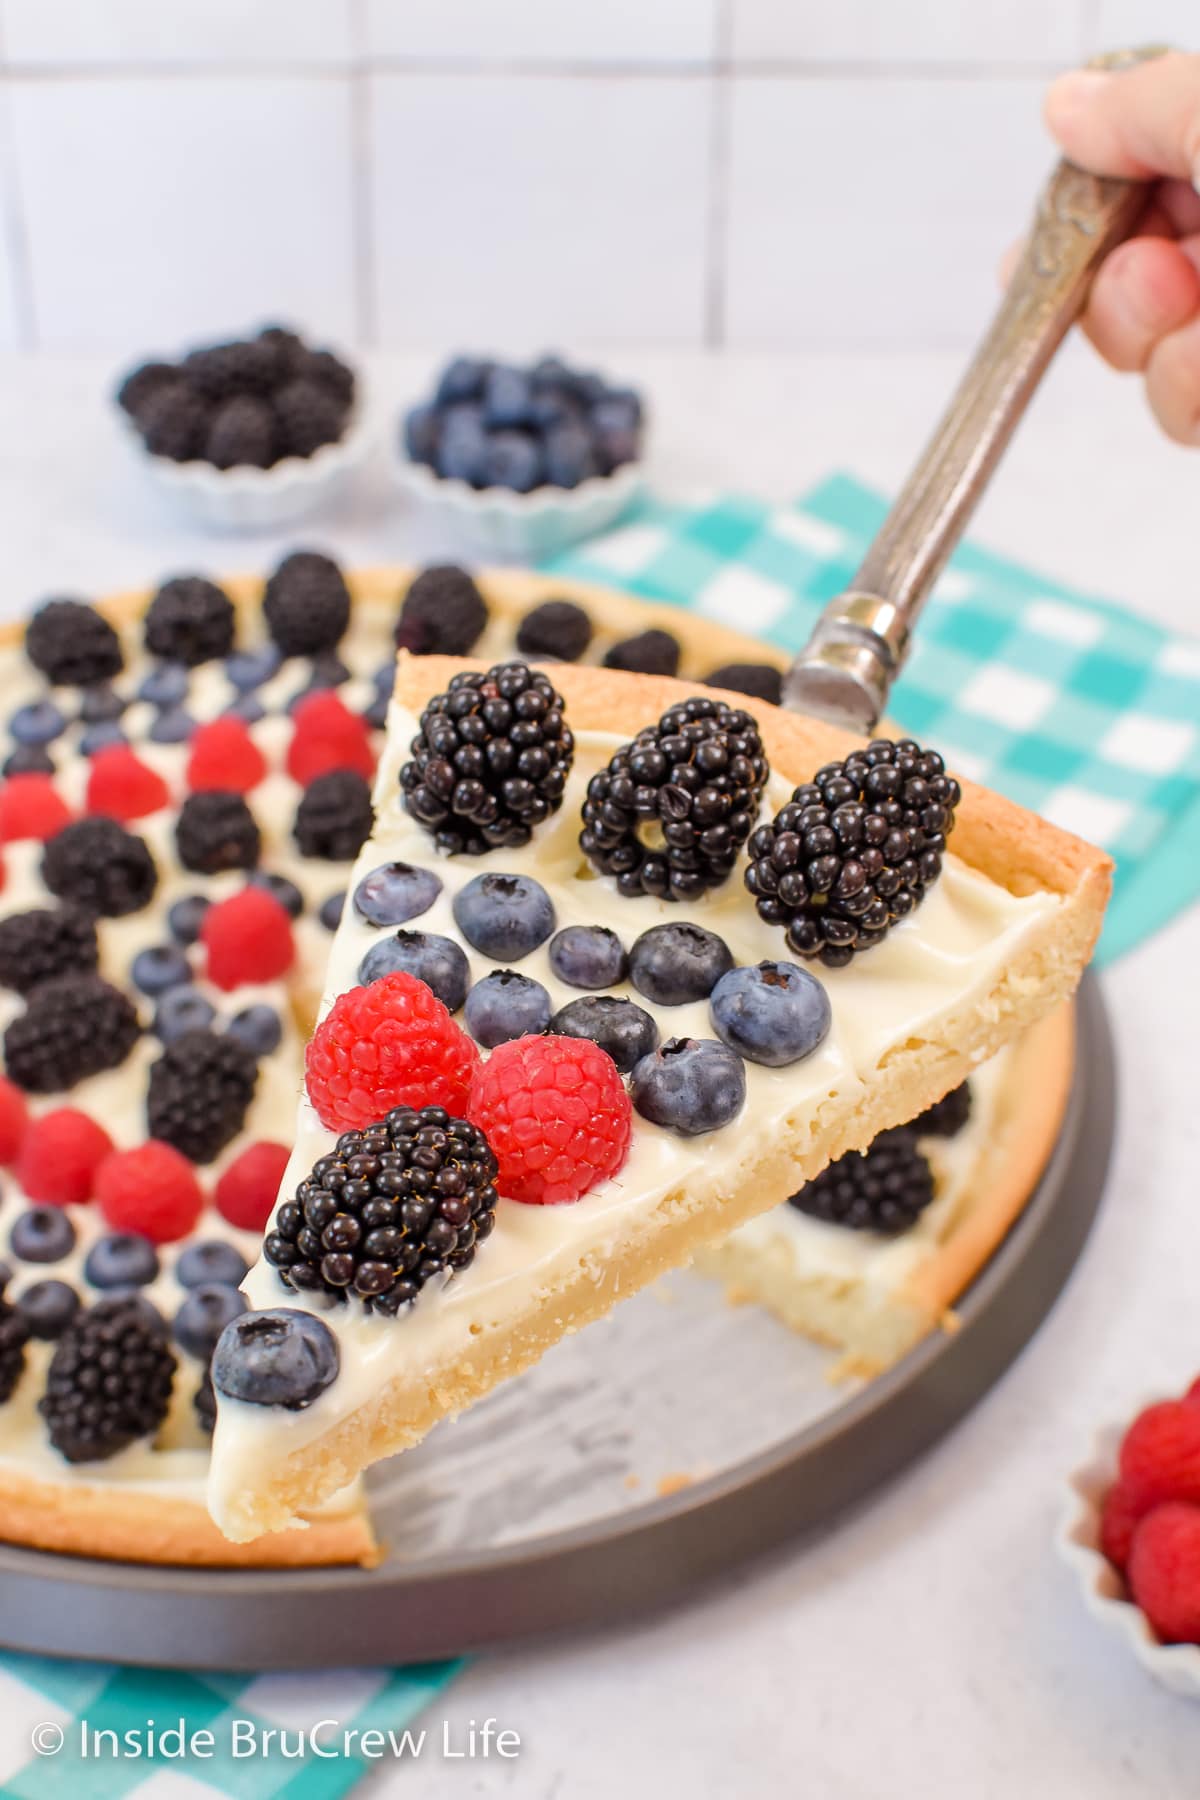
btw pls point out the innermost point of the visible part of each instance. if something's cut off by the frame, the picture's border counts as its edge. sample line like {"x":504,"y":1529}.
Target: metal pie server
{"x":858,"y":645}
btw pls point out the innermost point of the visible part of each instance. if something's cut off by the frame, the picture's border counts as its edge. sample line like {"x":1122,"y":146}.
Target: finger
{"x":1173,"y":383}
{"x":1141,"y":122}
{"x":1179,"y":204}
{"x":1147,"y":289}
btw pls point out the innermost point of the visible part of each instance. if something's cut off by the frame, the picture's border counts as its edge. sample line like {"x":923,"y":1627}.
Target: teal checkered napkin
{"x":1074,"y":707}
{"x":37,"y":1695}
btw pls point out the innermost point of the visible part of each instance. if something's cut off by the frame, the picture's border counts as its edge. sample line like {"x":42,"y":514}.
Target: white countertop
{"x":932,"y":1643}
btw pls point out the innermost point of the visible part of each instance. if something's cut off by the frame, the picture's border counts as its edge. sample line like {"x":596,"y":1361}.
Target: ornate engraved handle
{"x":860,"y":642}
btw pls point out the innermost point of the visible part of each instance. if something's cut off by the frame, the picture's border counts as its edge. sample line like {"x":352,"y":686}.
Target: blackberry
{"x":190,"y":620}
{"x":947,"y":1116}
{"x":141,"y":382}
{"x":327,"y":371}
{"x":443,"y":614}
{"x":883,"y":1189}
{"x":101,"y":866}
{"x":762,"y":681}
{"x":335,"y":816}
{"x":306,"y":603}
{"x":46,"y":941}
{"x":14,"y":1335}
{"x":216,"y":830}
{"x":388,"y":1209}
{"x":200,"y":1091}
{"x":72,"y":644}
{"x":651,"y":652}
{"x":72,"y":1027}
{"x":220,"y":371}
{"x":490,"y":761}
{"x":109,"y":1381}
{"x":854,"y":849}
{"x":307,"y":416}
{"x":694,"y":780}
{"x":242,"y":434}
{"x":204,"y":1402}
{"x":556,"y":628}
{"x":173,"y":421}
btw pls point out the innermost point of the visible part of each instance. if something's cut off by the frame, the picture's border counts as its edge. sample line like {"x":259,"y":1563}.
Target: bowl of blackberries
{"x":248,"y":434}
{"x":521,"y":460}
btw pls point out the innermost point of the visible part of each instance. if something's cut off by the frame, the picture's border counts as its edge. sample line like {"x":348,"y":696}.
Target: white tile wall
{"x":518,"y":211}
{"x":423,"y":171}
{"x":73,"y":33}
{"x":874,"y":213}
{"x":158,"y":210}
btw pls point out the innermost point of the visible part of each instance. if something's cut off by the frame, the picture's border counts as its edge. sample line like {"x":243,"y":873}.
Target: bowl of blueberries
{"x":521,"y":460}
{"x":250,"y":434}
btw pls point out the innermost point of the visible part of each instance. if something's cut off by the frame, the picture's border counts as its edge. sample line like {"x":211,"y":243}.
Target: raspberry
{"x":1119,"y":1519}
{"x":152,"y":1191}
{"x":14,"y":1117}
{"x":1164,"y":1571}
{"x":1160,"y":1457}
{"x":248,"y":938}
{"x":555,"y":1111}
{"x":31,"y":807}
{"x":1192,"y":1397}
{"x":121,"y":786}
{"x":328,"y":736}
{"x":246,"y":1190}
{"x":59,"y":1156}
{"x":389,"y":1044}
{"x":225,"y":756}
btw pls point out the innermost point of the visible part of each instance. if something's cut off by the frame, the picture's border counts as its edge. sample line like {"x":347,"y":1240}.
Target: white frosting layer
{"x":948,"y":954}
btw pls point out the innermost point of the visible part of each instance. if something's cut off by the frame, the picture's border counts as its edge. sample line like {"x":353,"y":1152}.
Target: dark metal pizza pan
{"x":615,"y":1566}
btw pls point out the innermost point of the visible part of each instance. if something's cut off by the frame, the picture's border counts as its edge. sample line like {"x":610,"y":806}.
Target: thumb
{"x":1140,"y":122}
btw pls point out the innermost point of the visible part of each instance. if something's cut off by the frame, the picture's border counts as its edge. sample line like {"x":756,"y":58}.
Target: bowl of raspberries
{"x":248,"y":434}
{"x":1131,"y":1532}
{"x":520,"y":460}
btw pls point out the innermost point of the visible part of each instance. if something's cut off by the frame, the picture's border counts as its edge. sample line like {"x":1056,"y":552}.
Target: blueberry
{"x":101,"y":701}
{"x":277,"y":1358}
{"x":174,"y":726}
{"x":672,"y":964}
{"x":462,"y":451}
{"x":248,"y":669}
{"x":330,"y":914}
{"x":395,"y":892}
{"x":437,"y":961}
{"x":588,"y":956}
{"x":160,"y":967}
{"x":507,"y":394}
{"x":212,"y":1259}
{"x":204,"y":1315}
{"x":552,"y":406}
{"x":376,"y":713}
{"x":384,"y":678}
{"x":29,"y":759}
{"x":122,"y":1260}
{"x":512,"y":460}
{"x":570,"y":456}
{"x":166,"y":685}
{"x":101,"y":736}
{"x":258,"y":1028}
{"x":615,"y":440}
{"x":624,"y":1030}
{"x":47,"y":1308}
{"x":422,"y":425}
{"x":461,"y":379}
{"x":44,"y":1234}
{"x":281,"y":889}
{"x":691,"y":1085}
{"x":39,"y":722}
{"x":504,"y":916}
{"x":247,"y":707}
{"x":774,"y":1013}
{"x":182,"y":1009}
{"x":550,"y":372}
{"x":186,"y":916}
{"x":619,"y":409}
{"x":506,"y":1005}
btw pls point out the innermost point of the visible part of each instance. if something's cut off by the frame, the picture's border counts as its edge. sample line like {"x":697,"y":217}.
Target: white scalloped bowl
{"x":495,"y":522}
{"x":1173,"y":1666}
{"x":247,"y":499}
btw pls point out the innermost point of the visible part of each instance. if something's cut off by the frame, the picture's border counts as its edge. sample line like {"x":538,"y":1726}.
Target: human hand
{"x":1143,"y":312}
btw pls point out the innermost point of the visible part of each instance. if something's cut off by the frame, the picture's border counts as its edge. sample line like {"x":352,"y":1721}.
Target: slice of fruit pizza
{"x":609,"y":984}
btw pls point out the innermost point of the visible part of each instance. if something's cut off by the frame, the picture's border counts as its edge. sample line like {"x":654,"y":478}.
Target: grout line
{"x":14,"y":233}
{"x":717,"y":222}
{"x":362,"y":175}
